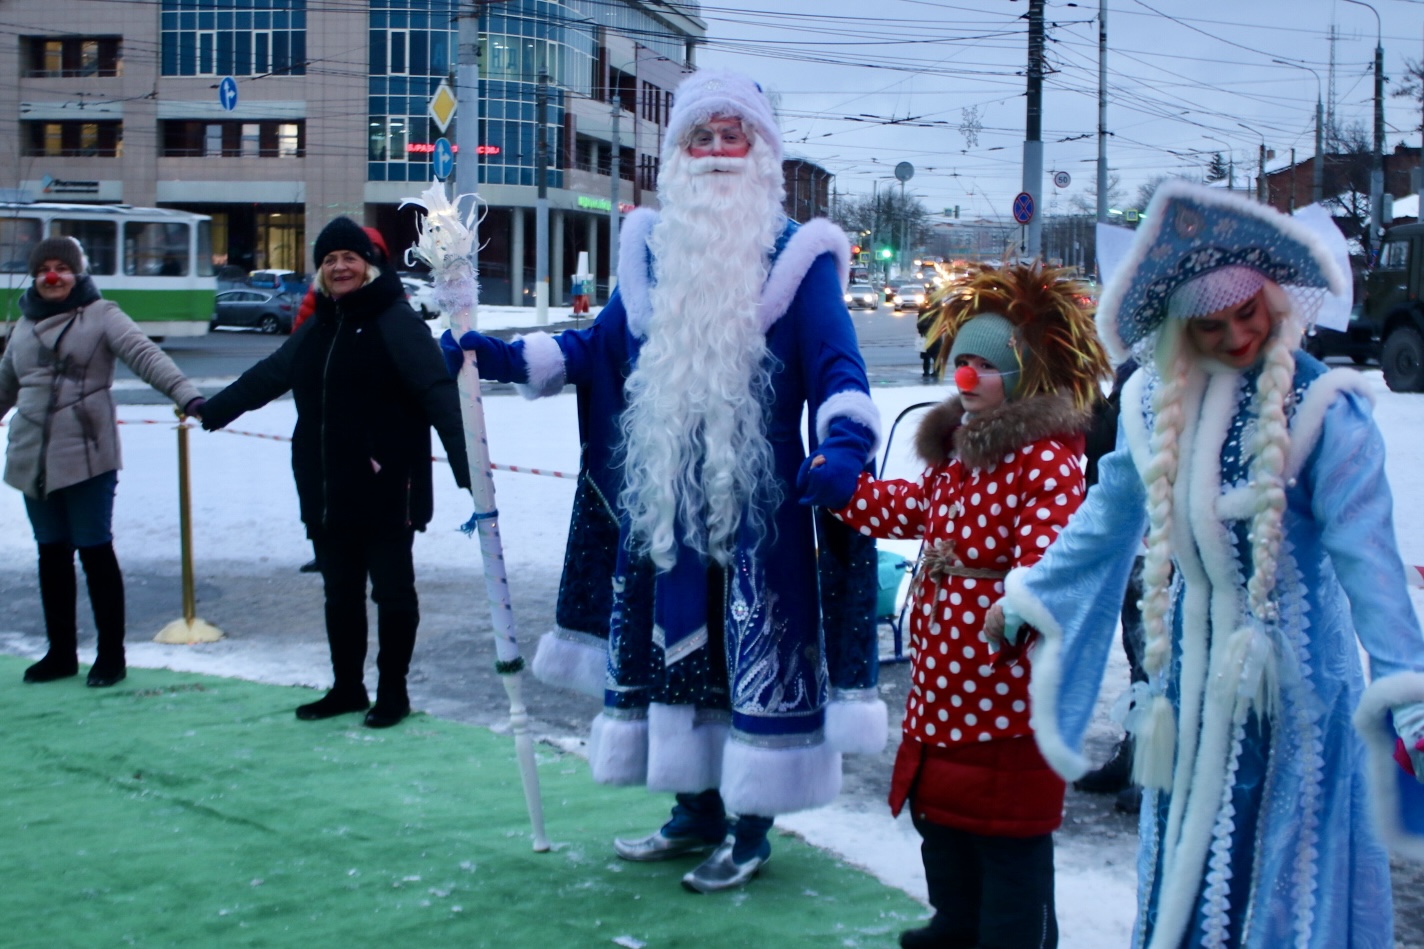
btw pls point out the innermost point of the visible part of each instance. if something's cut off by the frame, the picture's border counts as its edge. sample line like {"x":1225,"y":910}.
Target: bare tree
{"x":887,"y":218}
{"x":1148,"y":188}
{"x":1086,"y":201}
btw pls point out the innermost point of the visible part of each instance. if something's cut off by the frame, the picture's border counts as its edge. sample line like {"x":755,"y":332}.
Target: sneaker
{"x":659,"y":846}
{"x":334,"y":703}
{"x":721,"y":872}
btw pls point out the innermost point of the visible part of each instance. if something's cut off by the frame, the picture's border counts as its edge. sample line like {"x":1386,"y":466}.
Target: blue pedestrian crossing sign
{"x":1023,"y":207}
{"x":443,"y":158}
{"x":227,"y":93}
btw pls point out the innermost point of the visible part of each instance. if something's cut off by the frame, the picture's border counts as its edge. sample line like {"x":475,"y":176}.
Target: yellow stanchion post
{"x":189,"y":629}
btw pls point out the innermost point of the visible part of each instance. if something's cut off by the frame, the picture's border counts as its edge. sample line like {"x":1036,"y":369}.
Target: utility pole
{"x":614,"y":179}
{"x":1102,"y":111}
{"x":1377,"y":159}
{"x":467,"y":94}
{"x":541,"y":208}
{"x":1033,"y":137}
{"x":1261,"y":174}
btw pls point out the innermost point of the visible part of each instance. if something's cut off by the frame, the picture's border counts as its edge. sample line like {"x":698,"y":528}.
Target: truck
{"x":1387,"y":321}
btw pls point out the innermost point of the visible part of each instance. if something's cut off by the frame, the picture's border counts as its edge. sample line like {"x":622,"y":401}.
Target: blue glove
{"x":828,"y":478}
{"x":454,"y":355}
{"x":498,"y":361}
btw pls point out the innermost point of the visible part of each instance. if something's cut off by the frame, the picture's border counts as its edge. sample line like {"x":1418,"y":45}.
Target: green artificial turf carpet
{"x":185,"y":810}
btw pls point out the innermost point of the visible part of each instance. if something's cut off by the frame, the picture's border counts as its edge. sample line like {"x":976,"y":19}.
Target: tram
{"x":155,"y":263}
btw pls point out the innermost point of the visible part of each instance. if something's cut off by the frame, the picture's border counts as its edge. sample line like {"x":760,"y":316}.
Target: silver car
{"x":862,"y":296}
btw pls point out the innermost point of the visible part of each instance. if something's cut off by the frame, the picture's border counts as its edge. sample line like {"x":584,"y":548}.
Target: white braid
{"x":1161,"y":478}
{"x":1269,"y":448}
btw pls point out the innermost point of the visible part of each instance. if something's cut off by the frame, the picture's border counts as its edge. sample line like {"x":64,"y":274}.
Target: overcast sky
{"x":864,"y":84}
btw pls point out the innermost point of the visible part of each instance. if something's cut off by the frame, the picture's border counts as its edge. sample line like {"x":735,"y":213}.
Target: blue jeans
{"x":81,"y":515}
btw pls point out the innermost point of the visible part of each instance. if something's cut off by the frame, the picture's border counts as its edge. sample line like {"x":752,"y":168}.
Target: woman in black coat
{"x":369,"y":382}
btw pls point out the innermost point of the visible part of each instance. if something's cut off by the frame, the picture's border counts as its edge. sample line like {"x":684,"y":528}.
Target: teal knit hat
{"x":990,"y":337}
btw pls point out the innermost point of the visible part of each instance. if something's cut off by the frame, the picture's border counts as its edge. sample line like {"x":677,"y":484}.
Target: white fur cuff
{"x":545,"y":361}
{"x":574,"y":661}
{"x":771,"y":781}
{"x":854,"y":405}
{"x":684,"y":755}
{"x":1044,"y":684}
{"x":1384,"y":774}
{"x":618,"y":750}
{"x":857,"y":723}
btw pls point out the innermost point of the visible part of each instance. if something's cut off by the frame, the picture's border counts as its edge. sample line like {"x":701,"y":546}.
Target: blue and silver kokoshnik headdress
{"x":1191,"y":231}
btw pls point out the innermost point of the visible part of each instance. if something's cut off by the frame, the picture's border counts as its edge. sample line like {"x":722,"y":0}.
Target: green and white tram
{"x":155,"y":263}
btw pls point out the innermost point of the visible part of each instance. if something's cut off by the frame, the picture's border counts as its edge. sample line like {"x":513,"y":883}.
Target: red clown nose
{"x":966,"y":378}
{"x":51,"y":279}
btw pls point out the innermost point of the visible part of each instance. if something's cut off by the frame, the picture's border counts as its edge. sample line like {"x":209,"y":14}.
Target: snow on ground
{"x":245,"y":508}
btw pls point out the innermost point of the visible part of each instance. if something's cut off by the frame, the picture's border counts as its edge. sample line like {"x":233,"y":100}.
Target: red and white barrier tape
{"x":286,"y":438}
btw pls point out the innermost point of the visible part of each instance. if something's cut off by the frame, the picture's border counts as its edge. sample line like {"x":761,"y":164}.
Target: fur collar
{"x":984,"y":441}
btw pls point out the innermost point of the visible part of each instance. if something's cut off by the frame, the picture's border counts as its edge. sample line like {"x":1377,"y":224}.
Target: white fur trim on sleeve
{"x":1046,"y":682}
{"x":811,"y":240}
{"x":1309,"y":419}
{"x":854,"y":405}
{"x":1381,"y":696}
{"x":857,"y":722}
{"x":618,"y":750}
{"x":635,"y":269}
{"x":572,"y":660}
{"x":545,"y":362}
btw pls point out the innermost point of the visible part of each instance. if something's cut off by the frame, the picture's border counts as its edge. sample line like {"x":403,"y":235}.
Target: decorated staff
{"x":446,"y":244}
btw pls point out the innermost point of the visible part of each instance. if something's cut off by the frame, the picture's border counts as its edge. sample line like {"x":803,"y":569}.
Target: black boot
{"x":340,"y":700}
{"x":1113,"y":776}
{"x":106,"y":596}
{"x":396,"y":631}
{"x":57,"y":590}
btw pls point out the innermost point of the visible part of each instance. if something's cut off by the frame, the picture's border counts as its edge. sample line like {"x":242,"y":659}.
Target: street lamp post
{"x":1377,"y":162}
{"x":1317,"y":167}
{"x":1263,"y":191}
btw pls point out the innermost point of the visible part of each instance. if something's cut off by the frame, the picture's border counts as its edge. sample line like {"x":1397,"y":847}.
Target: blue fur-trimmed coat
{"x":765,"y":713}
{"x":1264,"y":837}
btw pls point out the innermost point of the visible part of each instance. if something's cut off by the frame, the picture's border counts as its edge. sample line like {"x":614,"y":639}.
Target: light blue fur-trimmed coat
{"x":1265,"y":837}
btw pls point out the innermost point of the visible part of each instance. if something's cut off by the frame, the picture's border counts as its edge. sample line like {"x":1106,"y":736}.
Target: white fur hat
{"x":710,"y":92}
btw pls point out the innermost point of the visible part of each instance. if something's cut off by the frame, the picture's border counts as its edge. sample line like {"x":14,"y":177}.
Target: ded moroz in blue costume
{"x":1258,"y":477}
{"x":728,"y":627}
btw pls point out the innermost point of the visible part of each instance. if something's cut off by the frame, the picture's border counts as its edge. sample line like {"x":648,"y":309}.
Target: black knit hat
{"x":65,"y":249}
{"x":345,"y":234}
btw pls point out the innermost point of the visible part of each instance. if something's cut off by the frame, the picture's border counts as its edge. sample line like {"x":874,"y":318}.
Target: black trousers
{"x":347,"y":561}
{"x":989,"y":892}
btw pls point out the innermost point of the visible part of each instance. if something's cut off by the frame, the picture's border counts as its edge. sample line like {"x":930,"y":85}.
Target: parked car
{"x":862,"y":296}
{"x":1387,"y":320}
{"x":421,"y":296}
{"x":268,"y":311}
{"x":911,"y":296}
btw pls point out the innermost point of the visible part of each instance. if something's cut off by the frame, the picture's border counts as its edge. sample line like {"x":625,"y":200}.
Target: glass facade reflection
{"x":234,"y":37}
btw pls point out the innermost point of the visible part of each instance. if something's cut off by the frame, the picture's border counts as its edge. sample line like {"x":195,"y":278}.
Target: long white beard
{"x":697,"y":455}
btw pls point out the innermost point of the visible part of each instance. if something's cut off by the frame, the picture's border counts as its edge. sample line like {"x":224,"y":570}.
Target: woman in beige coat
{"x":57,"y":373}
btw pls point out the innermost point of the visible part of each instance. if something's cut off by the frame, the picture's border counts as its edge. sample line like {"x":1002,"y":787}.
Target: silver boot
{"x":657,"y":846}
{"x":721,"y":872}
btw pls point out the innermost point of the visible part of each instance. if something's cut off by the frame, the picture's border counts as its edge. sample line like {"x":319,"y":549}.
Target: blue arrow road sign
{"x":443,"y":158}
{"x":227,"y":93}
{"x":1023,"y":207}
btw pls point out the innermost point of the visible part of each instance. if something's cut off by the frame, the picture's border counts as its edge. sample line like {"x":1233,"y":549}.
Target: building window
{"x":70,"y":56}
{"x":652,"y":104}
{"x":187,"y":138}
{"x":234,"y":37}
{"x":74,"y":139}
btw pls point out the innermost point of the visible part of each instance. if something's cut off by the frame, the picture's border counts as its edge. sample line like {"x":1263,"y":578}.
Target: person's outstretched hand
{"x":194,"y":408}
{"x":454,"y":355}
{"x":828,"y":481}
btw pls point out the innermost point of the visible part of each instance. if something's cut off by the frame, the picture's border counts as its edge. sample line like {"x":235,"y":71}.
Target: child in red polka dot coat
{"x":1003,"y":476}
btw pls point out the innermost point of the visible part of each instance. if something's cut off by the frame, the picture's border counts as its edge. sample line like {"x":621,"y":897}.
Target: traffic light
{"x":855,"y":250}
{"x":885,"y":253}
